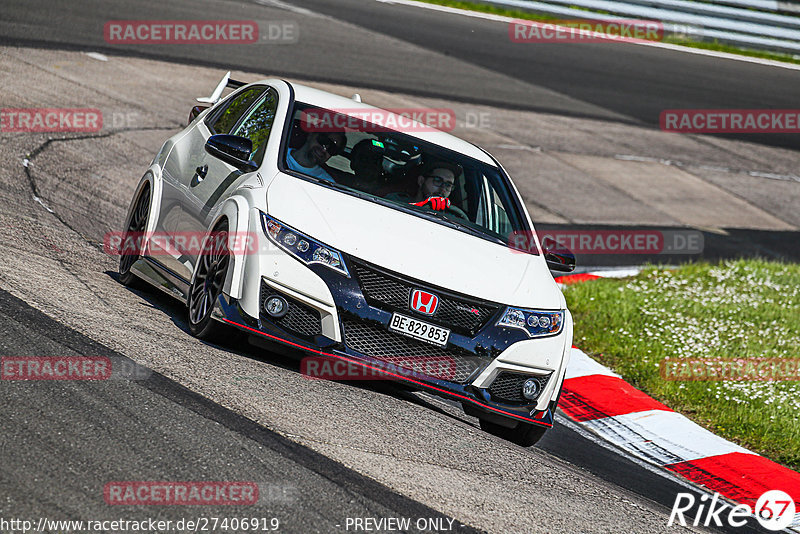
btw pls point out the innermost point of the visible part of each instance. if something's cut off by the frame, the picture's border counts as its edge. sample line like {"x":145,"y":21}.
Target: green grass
{"x":528,"y":15}
{"x":737,"y":309}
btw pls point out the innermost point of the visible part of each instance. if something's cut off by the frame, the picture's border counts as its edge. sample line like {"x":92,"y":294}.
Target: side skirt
{"x":157,"y":275}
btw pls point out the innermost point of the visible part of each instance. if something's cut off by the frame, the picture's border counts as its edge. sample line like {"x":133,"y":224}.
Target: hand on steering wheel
{"x":437,"y":203}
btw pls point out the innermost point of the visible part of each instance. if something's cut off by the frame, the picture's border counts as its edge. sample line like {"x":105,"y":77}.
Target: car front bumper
{"x":346,"y":318}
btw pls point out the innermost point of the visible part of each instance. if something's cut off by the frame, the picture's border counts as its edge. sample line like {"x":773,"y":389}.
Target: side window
{"x":222,"y":122}
{"x":257,"y":125}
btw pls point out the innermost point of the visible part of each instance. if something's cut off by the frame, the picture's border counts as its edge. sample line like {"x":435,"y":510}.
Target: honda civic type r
{"x":395,"y":250}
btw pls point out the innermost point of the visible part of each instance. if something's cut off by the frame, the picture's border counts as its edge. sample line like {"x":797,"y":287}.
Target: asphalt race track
{"x":49,"y":458}
{"x":328,"y":451}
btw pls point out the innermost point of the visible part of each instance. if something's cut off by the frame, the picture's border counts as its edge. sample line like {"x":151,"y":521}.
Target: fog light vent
{"x":276,"y":306}
{"x":531,"y":389}
{"x":518,"y":387}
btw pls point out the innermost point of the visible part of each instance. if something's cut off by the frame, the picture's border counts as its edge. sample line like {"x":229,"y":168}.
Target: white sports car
{"x":394,"y":251}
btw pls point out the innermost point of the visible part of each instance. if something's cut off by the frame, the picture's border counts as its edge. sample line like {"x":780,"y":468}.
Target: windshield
{"x":397,"y":169}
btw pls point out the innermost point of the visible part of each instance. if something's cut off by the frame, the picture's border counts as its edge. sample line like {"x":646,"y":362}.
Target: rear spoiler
{"x":217,"y":94}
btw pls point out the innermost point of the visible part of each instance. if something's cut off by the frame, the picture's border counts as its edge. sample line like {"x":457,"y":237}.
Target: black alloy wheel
{"x":212,"y":268}
{"x":133,"y":238}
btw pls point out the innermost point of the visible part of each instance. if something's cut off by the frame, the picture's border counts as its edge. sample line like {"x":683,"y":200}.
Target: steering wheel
{"x":458,"y":212}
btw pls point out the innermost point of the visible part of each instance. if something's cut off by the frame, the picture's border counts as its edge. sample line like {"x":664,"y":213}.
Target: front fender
{"x":235,"y":210}
{"x":151,"y":178}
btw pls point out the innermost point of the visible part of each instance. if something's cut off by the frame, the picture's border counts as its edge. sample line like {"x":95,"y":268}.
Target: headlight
{"x":301,"y":246}
{"x":535,"y":323}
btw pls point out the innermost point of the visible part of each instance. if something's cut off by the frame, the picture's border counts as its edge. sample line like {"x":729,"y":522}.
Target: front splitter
{"x":230,"y":313}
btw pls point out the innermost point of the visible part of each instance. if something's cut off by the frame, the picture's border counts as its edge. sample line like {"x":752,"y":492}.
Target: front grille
{"x":508,"y":386}
{"x":300,"y":319}
{"x":461,"y":314}
{"x":453,"y":365}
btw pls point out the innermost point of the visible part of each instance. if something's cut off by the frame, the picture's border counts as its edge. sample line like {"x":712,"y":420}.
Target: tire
{"x":137,"y":225}
{"x":524,"y":434}
{"x":209,"y":277}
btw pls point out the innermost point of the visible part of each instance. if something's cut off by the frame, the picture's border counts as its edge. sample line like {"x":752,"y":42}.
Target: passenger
{"x":318,"y":148}
{"x":435,"y":182}
{"x":366,"y":161}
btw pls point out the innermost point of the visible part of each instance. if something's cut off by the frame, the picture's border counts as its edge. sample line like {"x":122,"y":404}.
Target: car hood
{"x":413,"y":246}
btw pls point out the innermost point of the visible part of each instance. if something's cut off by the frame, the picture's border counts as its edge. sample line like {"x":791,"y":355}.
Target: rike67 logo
{"x":775,"y":510}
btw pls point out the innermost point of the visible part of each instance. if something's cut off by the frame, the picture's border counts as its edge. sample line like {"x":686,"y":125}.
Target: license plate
{"x":408,"y":326}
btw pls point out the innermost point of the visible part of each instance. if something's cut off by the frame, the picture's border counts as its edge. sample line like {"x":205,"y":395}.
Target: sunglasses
{"x":438,"y":181}
{"x":329,"y":145}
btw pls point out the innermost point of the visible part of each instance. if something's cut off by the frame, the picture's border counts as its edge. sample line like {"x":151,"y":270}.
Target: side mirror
{"x":232,"y":149}
{"x":197,"y":110}
{"x":557,"y":256}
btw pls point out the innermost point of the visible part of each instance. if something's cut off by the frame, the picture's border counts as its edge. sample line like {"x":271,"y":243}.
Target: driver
{"x":318,"y":148}
{"x":435,"y":182}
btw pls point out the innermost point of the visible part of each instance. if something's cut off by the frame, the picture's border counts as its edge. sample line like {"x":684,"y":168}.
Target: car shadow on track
{"x":252,"y":347}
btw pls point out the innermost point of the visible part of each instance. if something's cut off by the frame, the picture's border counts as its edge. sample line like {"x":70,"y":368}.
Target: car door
{"x":256,"y":125}
{"x":192,"y":178}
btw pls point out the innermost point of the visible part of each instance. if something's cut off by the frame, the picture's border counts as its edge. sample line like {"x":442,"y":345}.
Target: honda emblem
{"x":424,"y":302}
